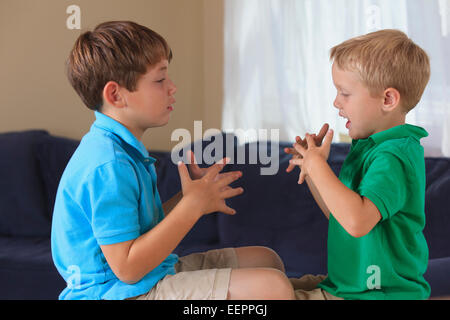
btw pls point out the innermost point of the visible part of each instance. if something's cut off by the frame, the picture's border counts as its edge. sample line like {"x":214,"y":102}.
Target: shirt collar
{"x":106,"y":123}
{"x":401,"y":131}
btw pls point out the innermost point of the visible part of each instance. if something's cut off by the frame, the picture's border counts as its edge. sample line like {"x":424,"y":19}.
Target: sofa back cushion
{"x":23,"y":210}
{"x":437,"y":207}
{"x":53,"y":154}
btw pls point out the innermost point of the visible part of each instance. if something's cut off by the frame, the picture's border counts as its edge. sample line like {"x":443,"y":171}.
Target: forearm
{"x":317,"y":197}
{"x":171,"y":203}
{"x":150,"y":249}
{"x":345,"y":204}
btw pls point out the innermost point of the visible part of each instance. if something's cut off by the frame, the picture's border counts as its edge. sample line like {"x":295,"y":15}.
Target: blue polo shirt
{"x":107,"y":194}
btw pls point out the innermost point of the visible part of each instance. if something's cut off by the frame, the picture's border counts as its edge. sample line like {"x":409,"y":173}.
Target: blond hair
{"x":386,"y":59}
{"x":119,"y":51}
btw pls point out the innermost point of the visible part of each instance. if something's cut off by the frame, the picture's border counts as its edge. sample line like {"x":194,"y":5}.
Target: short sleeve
{"x":385,"y":183}
{"x":112,"y":203}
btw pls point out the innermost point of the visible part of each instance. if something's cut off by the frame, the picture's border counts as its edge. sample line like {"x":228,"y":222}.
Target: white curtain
{"x":277,"y":68}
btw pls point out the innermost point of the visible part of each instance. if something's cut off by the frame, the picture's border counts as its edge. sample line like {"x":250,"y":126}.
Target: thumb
{"x":184,"y":174}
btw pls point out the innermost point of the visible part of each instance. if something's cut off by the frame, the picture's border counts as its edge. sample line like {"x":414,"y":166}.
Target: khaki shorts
{"x":199,"y":276}
{"x":306,"y":288}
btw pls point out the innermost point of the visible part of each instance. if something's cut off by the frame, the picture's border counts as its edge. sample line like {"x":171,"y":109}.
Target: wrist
{"x":314,"y":165}
{"x":190,"y":207}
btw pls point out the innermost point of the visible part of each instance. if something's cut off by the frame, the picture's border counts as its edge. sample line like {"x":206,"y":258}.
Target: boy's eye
{"x":160,"y":81}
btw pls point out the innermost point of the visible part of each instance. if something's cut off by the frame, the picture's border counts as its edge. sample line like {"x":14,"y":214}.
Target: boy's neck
{"x":394,"y":122}
{"x":136,"y":131}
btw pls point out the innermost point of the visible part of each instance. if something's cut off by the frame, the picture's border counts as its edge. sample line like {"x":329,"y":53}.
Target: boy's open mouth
{"x":347,"y":125}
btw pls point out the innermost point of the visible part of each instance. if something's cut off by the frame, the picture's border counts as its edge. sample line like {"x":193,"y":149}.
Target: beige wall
{"x":35,"y":42}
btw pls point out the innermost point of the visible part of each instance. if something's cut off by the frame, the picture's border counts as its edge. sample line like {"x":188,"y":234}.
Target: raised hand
{"x":311,"y":154}
{"x":210,"y":191}
{"x":318,"y":142}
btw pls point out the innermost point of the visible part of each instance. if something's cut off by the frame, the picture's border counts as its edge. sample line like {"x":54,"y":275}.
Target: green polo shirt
{"x":389,"y":262}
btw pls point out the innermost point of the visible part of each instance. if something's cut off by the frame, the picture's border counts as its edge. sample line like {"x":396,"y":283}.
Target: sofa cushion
{"x":437,"y":276}
{"x":23,"y":209}
{"x":436,"y":207}
{"x":27,"y":270}
{"x":53,"y":154}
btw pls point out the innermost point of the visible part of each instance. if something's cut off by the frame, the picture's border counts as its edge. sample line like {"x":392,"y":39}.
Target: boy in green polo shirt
{"x":376,"y":246}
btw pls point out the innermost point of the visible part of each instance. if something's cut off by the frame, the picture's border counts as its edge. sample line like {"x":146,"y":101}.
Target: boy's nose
{"x":173,"y":88}
{"x":335,"y":103}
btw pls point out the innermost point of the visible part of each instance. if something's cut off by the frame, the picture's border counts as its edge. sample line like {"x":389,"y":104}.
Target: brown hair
{"x":386,"y":59}
{"x":119,"y":51}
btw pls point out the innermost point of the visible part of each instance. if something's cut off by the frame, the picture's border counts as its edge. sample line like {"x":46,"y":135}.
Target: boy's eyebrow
{"x":158,"y":71}
{"x":339,"y":87}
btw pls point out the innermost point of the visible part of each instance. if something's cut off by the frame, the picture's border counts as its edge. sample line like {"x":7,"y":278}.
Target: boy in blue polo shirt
{"x":376,"y":246}
{"x":112,"y":238}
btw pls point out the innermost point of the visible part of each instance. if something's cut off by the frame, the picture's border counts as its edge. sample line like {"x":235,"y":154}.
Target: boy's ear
{"x":391,"y":99}
{"x":113,"y":95}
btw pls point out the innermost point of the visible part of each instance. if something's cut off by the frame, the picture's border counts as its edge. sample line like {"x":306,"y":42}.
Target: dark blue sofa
{"x":273,"y":211}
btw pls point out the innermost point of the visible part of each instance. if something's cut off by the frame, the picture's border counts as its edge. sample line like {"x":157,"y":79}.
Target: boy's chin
{"x":353,"y":135}
{"x":160,"y":123}
{"x":357,"y":136}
